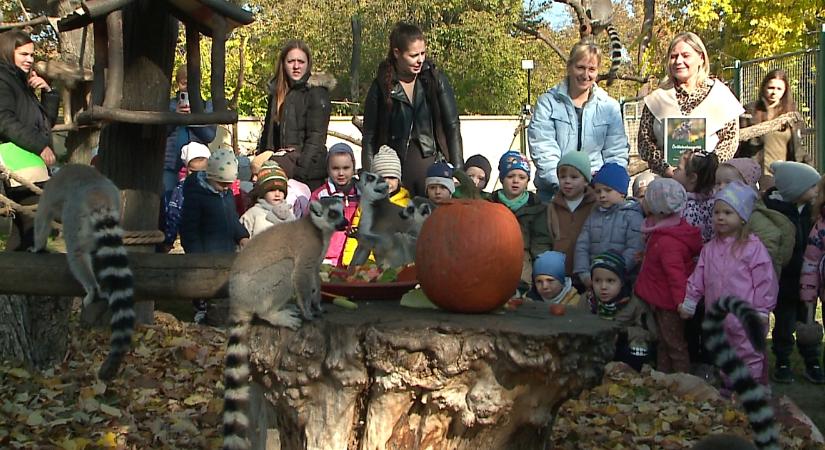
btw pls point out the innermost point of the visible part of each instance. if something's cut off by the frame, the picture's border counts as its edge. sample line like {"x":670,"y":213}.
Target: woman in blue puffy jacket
{"x":575,"y":115}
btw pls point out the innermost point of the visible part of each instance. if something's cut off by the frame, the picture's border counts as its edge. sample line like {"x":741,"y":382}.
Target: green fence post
{"x":737,"y":78}
{"x":819,"y":101}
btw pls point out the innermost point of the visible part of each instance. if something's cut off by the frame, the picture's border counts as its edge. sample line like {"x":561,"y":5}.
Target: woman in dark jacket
{"x":411,"y":107}
{"x":24,"y":122}
{"x":297,"y":116}
{"x":775,"y":99}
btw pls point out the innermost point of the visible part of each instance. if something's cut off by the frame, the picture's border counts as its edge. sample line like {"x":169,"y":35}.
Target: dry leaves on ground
{"x":653,"y":411}
{"x":167,"y":395}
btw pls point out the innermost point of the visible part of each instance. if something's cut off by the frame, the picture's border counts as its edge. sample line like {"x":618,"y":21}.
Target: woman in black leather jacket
{"x":411,"y":107}
{"x":297,"y":117}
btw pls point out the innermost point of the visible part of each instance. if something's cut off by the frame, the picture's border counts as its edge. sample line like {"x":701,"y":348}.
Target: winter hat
{"x":223,"y":166}
{"x":482,"y":163}
{"x":441,"y":173}
{"x":613,"y":176}
{"x":747,"y":168}
{"x":642,"y":181}
{"x":271,"y":177}
{"x":612,"y":261}
{"x":341,"y":148}
{"x":385,"y":163}
{"x":511,"y":161}
{"x":665,"y":196}
{"x":194,"y":150}
{"x":258,"y":161}
{"x":740,"y":197}
{"x":550,"y":263}
{"x":793,"y":178}
{"x":580,"y":161}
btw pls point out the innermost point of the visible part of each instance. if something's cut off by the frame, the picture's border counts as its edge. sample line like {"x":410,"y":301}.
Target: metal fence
{"x":801,"y":69}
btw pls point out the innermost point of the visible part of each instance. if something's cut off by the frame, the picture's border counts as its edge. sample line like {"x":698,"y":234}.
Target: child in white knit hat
{"x":195,"y":157}
{"x":386,"y":164}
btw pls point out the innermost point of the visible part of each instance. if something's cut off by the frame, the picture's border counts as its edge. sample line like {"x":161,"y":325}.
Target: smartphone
{"x":183,"y":99}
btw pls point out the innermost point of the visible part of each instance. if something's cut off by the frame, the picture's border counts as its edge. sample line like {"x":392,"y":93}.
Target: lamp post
{"x":526,"y":111}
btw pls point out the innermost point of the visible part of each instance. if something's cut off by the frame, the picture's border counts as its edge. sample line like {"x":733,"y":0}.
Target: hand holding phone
{"x":183,"y":102}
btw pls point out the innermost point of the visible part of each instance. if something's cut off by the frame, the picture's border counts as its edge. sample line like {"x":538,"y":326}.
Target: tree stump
{"x":34,"y":330}
{"x":385,"y":376}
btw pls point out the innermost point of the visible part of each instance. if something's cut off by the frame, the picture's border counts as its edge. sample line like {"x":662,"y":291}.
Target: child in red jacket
{"x":670,"y":257}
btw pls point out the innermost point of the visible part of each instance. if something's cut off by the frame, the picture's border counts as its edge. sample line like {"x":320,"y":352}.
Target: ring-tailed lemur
{"x":398,"y":249}
{"x":753,"y":396}
{"x":600,"y":13}
{"x":88,"y":205}
{"x":280,"y":265}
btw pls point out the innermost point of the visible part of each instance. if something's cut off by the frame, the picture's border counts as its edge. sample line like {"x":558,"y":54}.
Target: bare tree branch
{"x":627,"y":77}
{"x":543,"y":37}
{"x":29,"y":23}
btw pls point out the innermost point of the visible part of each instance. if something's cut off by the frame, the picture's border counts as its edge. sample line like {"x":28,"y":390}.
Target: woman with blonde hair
{"x":297,"y":116}
{"x":689,"y":91}
{"x":576,"y":116}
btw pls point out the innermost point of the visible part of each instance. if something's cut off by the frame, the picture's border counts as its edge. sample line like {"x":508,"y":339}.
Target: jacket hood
{"x":774,"y":200}
{"x":685,"y":233}
{"x":311,"y":80}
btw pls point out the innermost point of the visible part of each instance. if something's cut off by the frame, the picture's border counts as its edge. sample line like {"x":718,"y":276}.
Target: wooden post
{"x":219,"y":64}
{"x":99,"y":67}
{"x":114,"y":73}
{"x":193,"y":68}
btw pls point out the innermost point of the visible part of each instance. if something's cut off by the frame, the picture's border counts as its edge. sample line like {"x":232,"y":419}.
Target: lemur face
{"x":373,"y":187}
{"x":328,"y":214}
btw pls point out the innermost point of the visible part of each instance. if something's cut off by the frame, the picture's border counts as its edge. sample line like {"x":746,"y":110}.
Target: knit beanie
{"x":612,"y":261}
{"x":341,"y":148}
{"x":482,"y":163}
{"x":793,"y":179}
{"x":511,"y":161}
{"x":271,"y":177}
{"x":578,"y":160}
{"x":740,"y":197}
{"x":747,"y":168}
{"x":441,"y":173}
{"x":641,"y":181}
{"x":385,"y":163}
{"x":550,"y":263}
{"x":223,"y":166}
{"x":613,"y":176}
{"x":665,"y":196}
{"x":258,"y":160}
{"x":194,"y":150}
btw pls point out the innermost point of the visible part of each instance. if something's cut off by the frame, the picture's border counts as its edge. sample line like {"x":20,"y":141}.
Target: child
{"x":640,"y":184}
{"x":696,"y":171}
{"x":341,"y":183}
{"x":478,"y":168}
{"x":614,"y":224}
{"x":299,"y":193}
{"x":195,"y":157}
{"x":792,"y":196}
{"x":771,"y":227}
{"x":439,"y":183}
{"x":812,"y":264}
{"x":735,"y":263}
{"x":514,"y":173}
{"x":269,"y":200}
{"x":670,"y":257}
{"x":571,"y":205}
{"x":550,"y":282}
{"x":386,"y":164}
{"x":611,"y":300}
{"x":210,"y":223}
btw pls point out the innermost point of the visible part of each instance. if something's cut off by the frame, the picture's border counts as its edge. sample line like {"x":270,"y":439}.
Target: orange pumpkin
{"x":469,"y":256}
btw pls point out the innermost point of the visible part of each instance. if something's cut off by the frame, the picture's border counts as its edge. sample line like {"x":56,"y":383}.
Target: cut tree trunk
{"x":385,"y":376}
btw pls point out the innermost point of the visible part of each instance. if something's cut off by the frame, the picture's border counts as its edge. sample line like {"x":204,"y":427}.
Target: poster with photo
{"x":683,"y":134}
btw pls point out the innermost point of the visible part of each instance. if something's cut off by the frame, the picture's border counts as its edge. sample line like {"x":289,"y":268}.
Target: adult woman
{"x":775,"y":99}
{"x":297,"y":116}
{"x":411,"y":108}
{"x":25,"y":123}
{"x":688,"y":92}
{"x":575,"y":115}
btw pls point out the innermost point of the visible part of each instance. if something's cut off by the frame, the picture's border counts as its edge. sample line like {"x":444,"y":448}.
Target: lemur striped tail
{"x":116,"y":286}
{"x":236,"y":390}
{"x":753,"y":396}
{"x":615,"y":52}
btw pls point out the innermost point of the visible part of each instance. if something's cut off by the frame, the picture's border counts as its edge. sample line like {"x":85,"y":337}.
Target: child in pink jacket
{"x":735,"y":262}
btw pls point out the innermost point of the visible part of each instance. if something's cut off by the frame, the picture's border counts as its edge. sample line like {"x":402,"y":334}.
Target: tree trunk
{"x":392,"y":377}
{"x":34,"y":330}
{"x":132,"y":155}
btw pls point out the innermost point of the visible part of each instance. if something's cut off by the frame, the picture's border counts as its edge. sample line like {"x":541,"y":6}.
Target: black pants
{"x":23,"y":225}
{"x":414,"y":170}
{"x":695,"y":338}
{"x":789,"y":309}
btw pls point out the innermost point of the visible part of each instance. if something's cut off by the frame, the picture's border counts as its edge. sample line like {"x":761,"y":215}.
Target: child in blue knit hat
{"x":550,"y":282}
{"x":614,"y":224}
{"x":514,"y":173}
{"x":439,"y":183}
